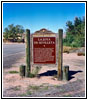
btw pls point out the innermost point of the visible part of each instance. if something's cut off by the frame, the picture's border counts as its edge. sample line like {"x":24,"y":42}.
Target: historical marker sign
{"x":44,"y":50}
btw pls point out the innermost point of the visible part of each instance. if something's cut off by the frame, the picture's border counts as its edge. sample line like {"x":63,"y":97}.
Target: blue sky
{"x":35,"y":16}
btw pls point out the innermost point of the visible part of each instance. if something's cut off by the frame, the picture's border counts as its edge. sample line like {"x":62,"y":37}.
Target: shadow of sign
{"x":54,"y":72}
{"x":71,"y":73}
{"x":48,"y":73}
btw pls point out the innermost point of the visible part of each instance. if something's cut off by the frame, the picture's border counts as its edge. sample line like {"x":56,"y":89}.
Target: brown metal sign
{"x":44,"y":50}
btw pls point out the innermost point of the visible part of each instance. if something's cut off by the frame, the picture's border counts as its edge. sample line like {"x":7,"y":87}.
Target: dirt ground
{"x":47,"y":84}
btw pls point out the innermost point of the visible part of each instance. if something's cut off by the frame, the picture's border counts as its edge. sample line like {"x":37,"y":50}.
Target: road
{"x":11,"y":53}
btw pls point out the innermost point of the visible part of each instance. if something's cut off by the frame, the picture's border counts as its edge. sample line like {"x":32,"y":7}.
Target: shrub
{"x":31,"y":75}
{"x":66,"y":49}
{"x":81,"y":54}
{"x":35,"y":72}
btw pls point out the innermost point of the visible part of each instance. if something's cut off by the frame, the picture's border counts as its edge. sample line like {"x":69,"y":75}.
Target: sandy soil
{"x":13,"y":84}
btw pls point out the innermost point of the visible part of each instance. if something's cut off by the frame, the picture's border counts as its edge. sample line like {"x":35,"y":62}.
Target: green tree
{"x":13,"y":32}
{"x":19,"y":30}
{"x":6,"y":33}
{"x":75,"y":33}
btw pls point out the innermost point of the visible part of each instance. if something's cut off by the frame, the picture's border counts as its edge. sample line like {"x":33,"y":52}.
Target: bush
{"x":75,"y":33}
{"x":35,"y":72}
{"x":81,"y":54}
{"x":79,"y":41}
{"x":31,"y":75}
{"x":68,"y":40}
{"x":66,"y":49}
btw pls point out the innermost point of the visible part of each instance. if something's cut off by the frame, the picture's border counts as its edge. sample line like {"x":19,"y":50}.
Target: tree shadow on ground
{"x":54,"y":72}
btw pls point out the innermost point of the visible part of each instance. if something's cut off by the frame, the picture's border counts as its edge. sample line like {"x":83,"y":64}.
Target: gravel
{"x":71,"y":89}
{"x":62,"y":91}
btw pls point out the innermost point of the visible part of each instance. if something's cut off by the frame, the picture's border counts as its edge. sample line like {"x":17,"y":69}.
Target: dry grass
{"x":67,"y":49}
{"x":13,"y":72}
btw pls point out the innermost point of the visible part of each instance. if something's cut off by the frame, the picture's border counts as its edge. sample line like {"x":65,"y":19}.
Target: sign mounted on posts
{"x":44,"y":51}
{"x":44,"y":47}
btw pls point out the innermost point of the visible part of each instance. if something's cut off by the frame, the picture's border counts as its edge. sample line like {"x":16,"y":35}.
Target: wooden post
{"x":22,"y":70}
{"x":60,"y":56}
{"x":28,"y":66}
{"x":66,"y":73}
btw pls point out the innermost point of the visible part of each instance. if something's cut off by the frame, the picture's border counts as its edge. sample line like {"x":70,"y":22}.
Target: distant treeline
{"x":13,"y":33}
{"x":75,"y":33}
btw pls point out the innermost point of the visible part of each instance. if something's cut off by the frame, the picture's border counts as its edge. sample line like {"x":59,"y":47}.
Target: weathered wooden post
{"x":28,"y":66}
{"x":60,"y":56}
{"x":66,"y":73}
{"x":22,"y":70}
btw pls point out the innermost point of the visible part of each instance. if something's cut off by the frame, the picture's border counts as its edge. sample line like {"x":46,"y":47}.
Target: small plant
{"x":45,"y":87}
{"x":67,"y":95}
{"x":56,"y":86}
{"x":13,"y":72}
{"x":22,"y":95}
{"x":31,"y":75}
{"x":34,"y":87}
{"x":16,"y":88}
{"x":62,"y":90}
{"x":29,"y":92}
{"x":35,"y":72}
